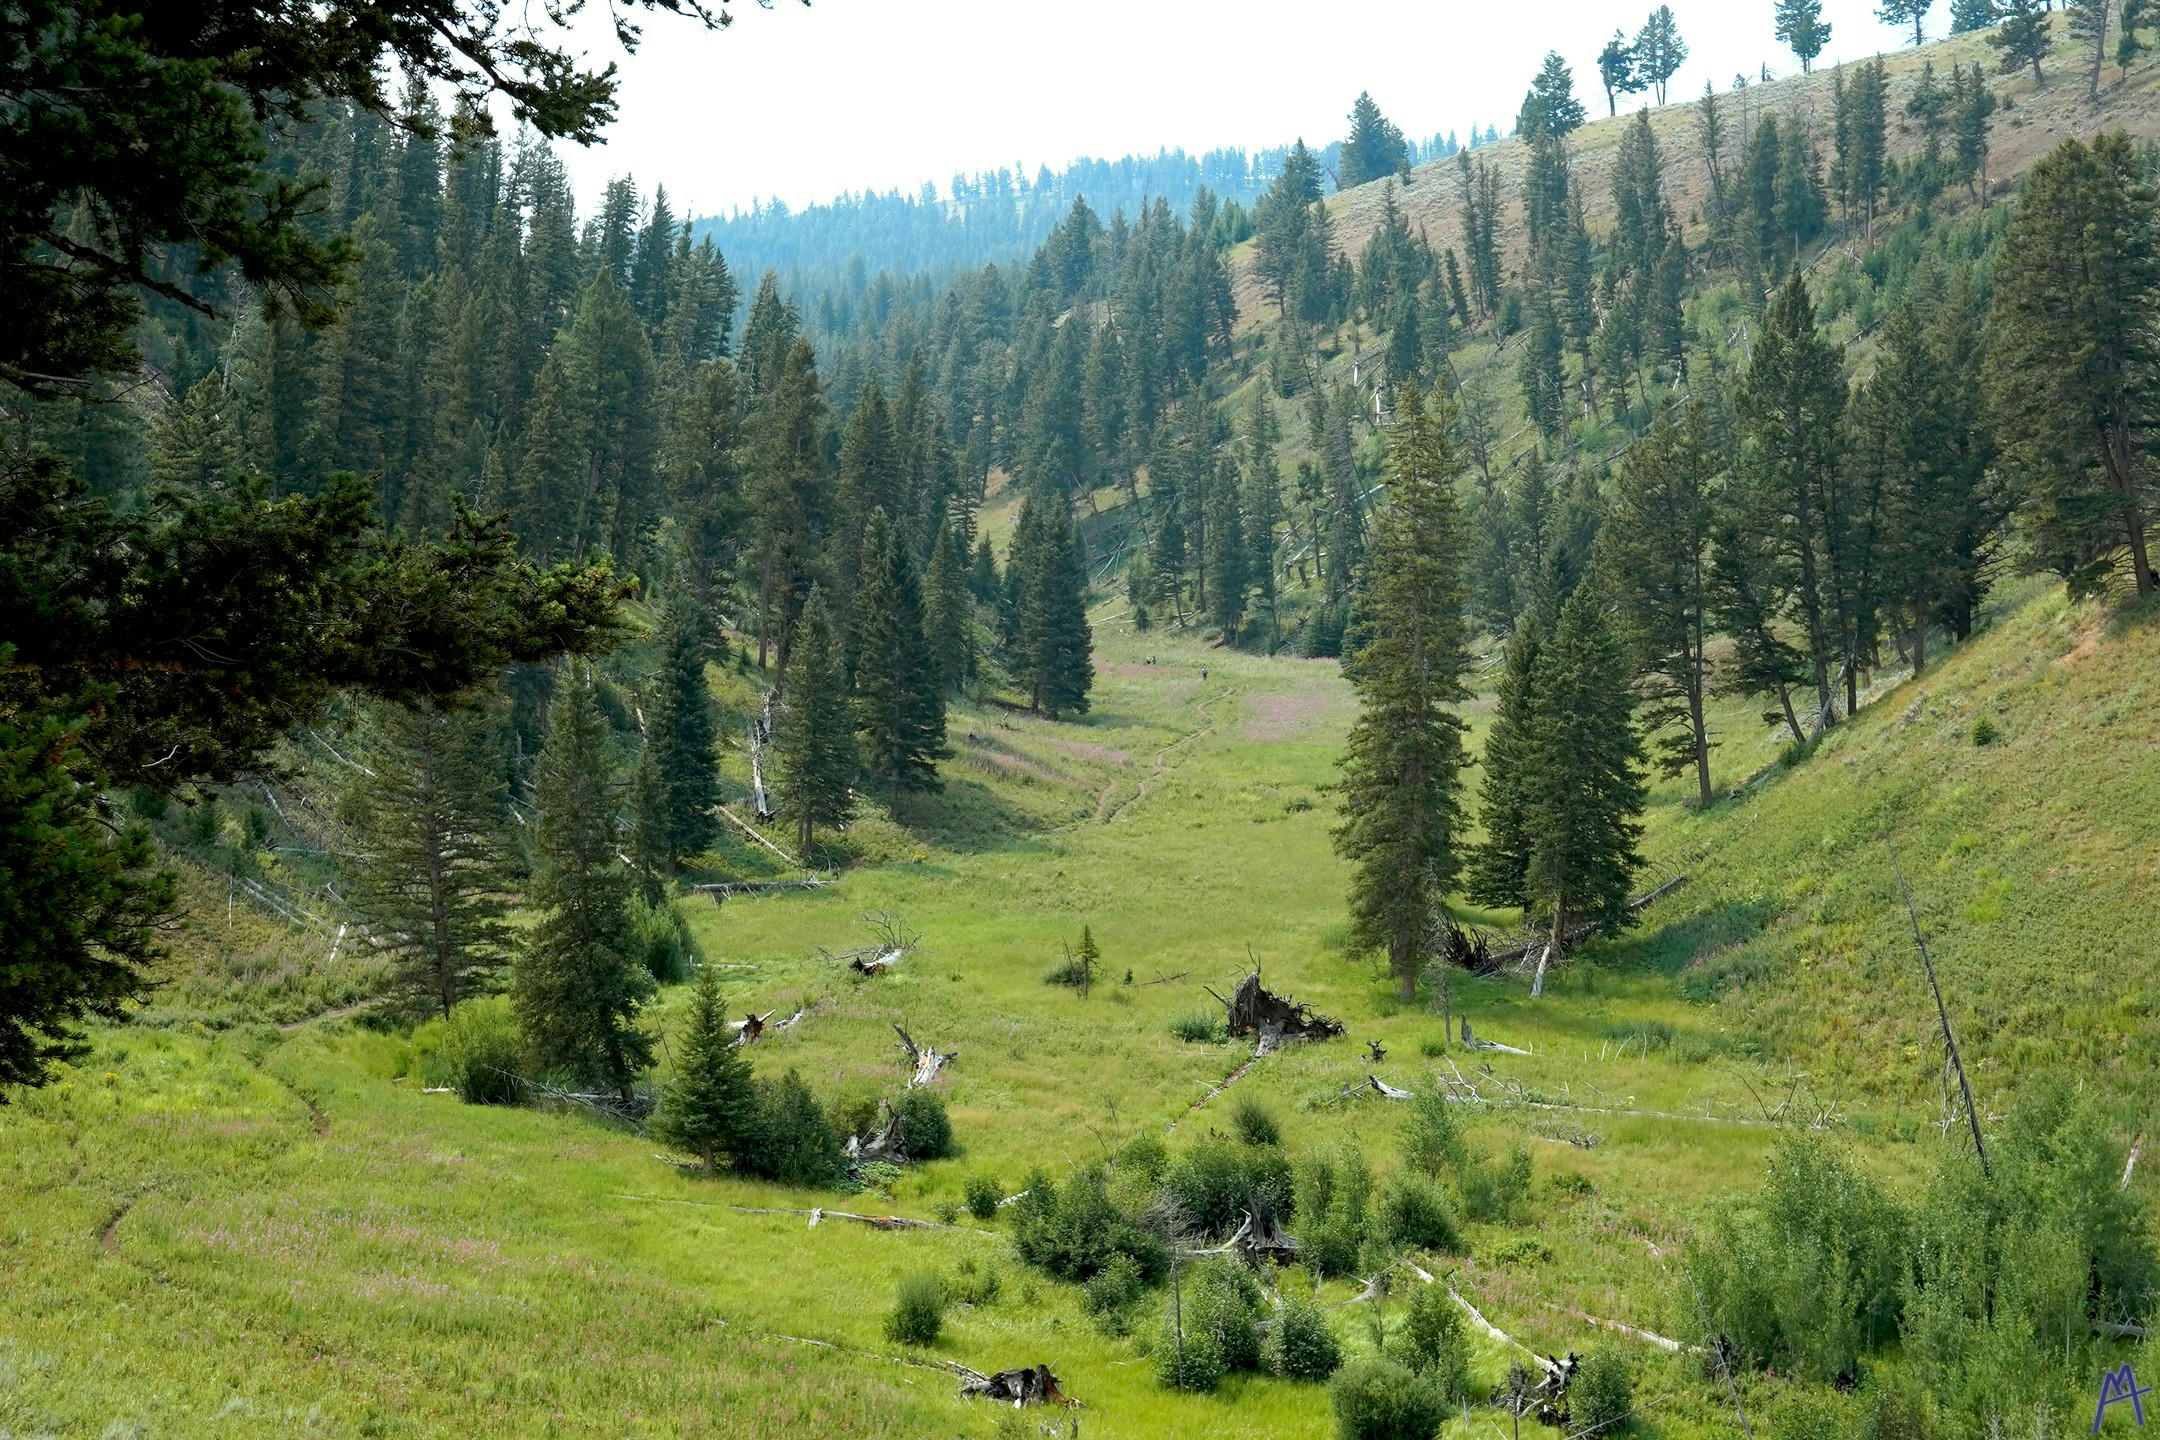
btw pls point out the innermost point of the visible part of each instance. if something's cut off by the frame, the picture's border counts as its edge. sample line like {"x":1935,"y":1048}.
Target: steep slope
{"x":2018,"y":782}
{"x":2032,"y":122}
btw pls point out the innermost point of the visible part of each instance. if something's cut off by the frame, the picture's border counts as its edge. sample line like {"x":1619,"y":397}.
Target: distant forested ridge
{"x":830,"y":255}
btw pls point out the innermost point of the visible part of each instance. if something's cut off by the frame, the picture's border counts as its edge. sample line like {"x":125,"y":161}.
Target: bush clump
{"x":1335,"y":1197}
{"x":983,"y":1193}
{"x":1984,"y":732}
{"x":1601,"y":1397}
{"x":1211,"y":1328}
{"x":790,"y":1140}
{"x":974,"y":1284}
{"x":1112,"y":1294}
{"x":1073,"y":1231}
{"x":663,"y":939}
{"x":1432,"y":1140}
{"x":1435,"y":1343}
{"x":1200,"y":1027}
{"x":918,"y":1312}
{"x":483,"y":1051}
{"x":925,"y":1129}
{"x":1414,"y":1216}
{"x":1303,"y":1346}
{"x":1496,"y":1191}
{"x":1378,"y":1399}
{"x":1218,"y":1182}
{"x":1255,"y":1123}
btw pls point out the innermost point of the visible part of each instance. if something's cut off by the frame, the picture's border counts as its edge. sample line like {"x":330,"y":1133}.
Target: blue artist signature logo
{"x":2117,"y":1386}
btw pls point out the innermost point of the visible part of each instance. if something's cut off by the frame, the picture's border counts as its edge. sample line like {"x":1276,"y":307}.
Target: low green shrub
{"x":1414,"y":1215}
{"x":1254,"y":1122}
{"x":1601,"y":1397}
{"x":1072,"y":1231}
{"x":983,"y":1193}
{"x":973,"y":1283}
{"x":918,"y":1312}
{"x":664,"y":941}
{"x":1302,"y":1345}
{"x":1199,"y":1027}
{"x":1218,"y":1182}
{"x":925,"y":1129}
{"x":1112,"y":1294}
{"x":482,"y":1052}
{"x":1435,"y":1343}
{"x":791,"y":1140}
{"x":1495,"y":1191}
{"x":1984,"y":732}
{"x":1377,"y":1399}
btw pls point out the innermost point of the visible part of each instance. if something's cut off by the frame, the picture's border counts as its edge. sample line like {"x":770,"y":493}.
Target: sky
{"x":805,"y":103}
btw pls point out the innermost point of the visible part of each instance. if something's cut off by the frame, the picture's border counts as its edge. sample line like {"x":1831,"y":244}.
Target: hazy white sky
{"x":882,"y":94}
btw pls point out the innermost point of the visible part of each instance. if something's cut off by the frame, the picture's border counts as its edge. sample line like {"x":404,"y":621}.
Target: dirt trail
{"x":1162,"y":757}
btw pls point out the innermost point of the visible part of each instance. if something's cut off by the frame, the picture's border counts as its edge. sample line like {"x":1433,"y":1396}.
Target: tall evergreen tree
{"x":1055,"y":663}
{"x":1551,"y":108}
{"x":1502,"y":859}
{"x":899,"y":715}
{"x":1617,"y":72}
{"x":682,"y":739}
{"x":1656,"y":539}
{"x":1791,"y":409}
{"x":1659,"y":51}
{"x":581,"y":981}
{"x":1402,"y":769}
{"x":815,"y":736}
{"x":1970,"y":15}
{"x":708,"y":1103}
{"x":1801,"y":26}
{"x":1907,"y":12}
{"x":2073,"y":368}
{"x":431,"y":869}
{"x":1585,"y":786}
{"x":949,"y":611}
{"x":2022,"y":37}
{"x":1376,"y":148}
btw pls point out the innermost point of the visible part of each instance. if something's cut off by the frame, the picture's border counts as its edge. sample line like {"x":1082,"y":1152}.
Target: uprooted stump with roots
{"x":1256,"y":1010}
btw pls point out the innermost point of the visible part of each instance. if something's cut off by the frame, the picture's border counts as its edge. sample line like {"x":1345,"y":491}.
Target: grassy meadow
{"x":219,"y":1228}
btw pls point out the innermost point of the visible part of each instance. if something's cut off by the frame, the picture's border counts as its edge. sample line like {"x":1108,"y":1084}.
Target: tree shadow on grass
{"x":1669,"y":949}
{"x":969,"y":817}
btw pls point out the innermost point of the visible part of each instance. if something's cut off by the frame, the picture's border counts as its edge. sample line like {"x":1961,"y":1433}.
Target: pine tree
{"x":580,"y":982}
{"x":899,"y":715}
{"x":1551,"y":109}
{"x":2089,"y":24}
{"x":1054,"y":645}
{"x":682,"y":740}
{"x":1376,"y":148}
{"x":1616,"y":71}
{"x":1402,"y":769}
{"x":1502,"y":860}
{"x":1585,"y":785}
{"x":708,"y":1104}
{"x":1907,"y":12}
{"x":2021,"y":38}
{"x":949,"y":611}
{"x":1791,"y":408}
{"x":1970,"y":15}
{"x":1656,"y":540}
{"x":431,"y":870}
{"x":2072,"y":362}
{"x":1801,"y":26}
{"x":815,"y":739}
{"x":1659,"y":51}
{"x":1226,"y":553}
{"x":788,"y":495}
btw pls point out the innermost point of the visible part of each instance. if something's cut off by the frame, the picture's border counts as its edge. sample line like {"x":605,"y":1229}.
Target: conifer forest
{"x":1447,"y":777}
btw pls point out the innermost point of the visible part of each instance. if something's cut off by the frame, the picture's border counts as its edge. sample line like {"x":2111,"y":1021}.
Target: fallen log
{"x":927,"y":1062}
{"x":1521,"y":951}
{"x":1033,"y":1385}
{"x":721,"y":890}
{"x":875,"y":1222}
{"x":1472,"y":1043}
{"x":1665,"y":1343}
{"x":1252,"y":1009}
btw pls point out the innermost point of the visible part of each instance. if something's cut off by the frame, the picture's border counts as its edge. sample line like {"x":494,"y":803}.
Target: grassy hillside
{"x":267,"y":1232}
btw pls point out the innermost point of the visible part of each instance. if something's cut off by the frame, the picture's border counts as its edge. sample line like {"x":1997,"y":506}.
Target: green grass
{"x":307,"y":1244}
